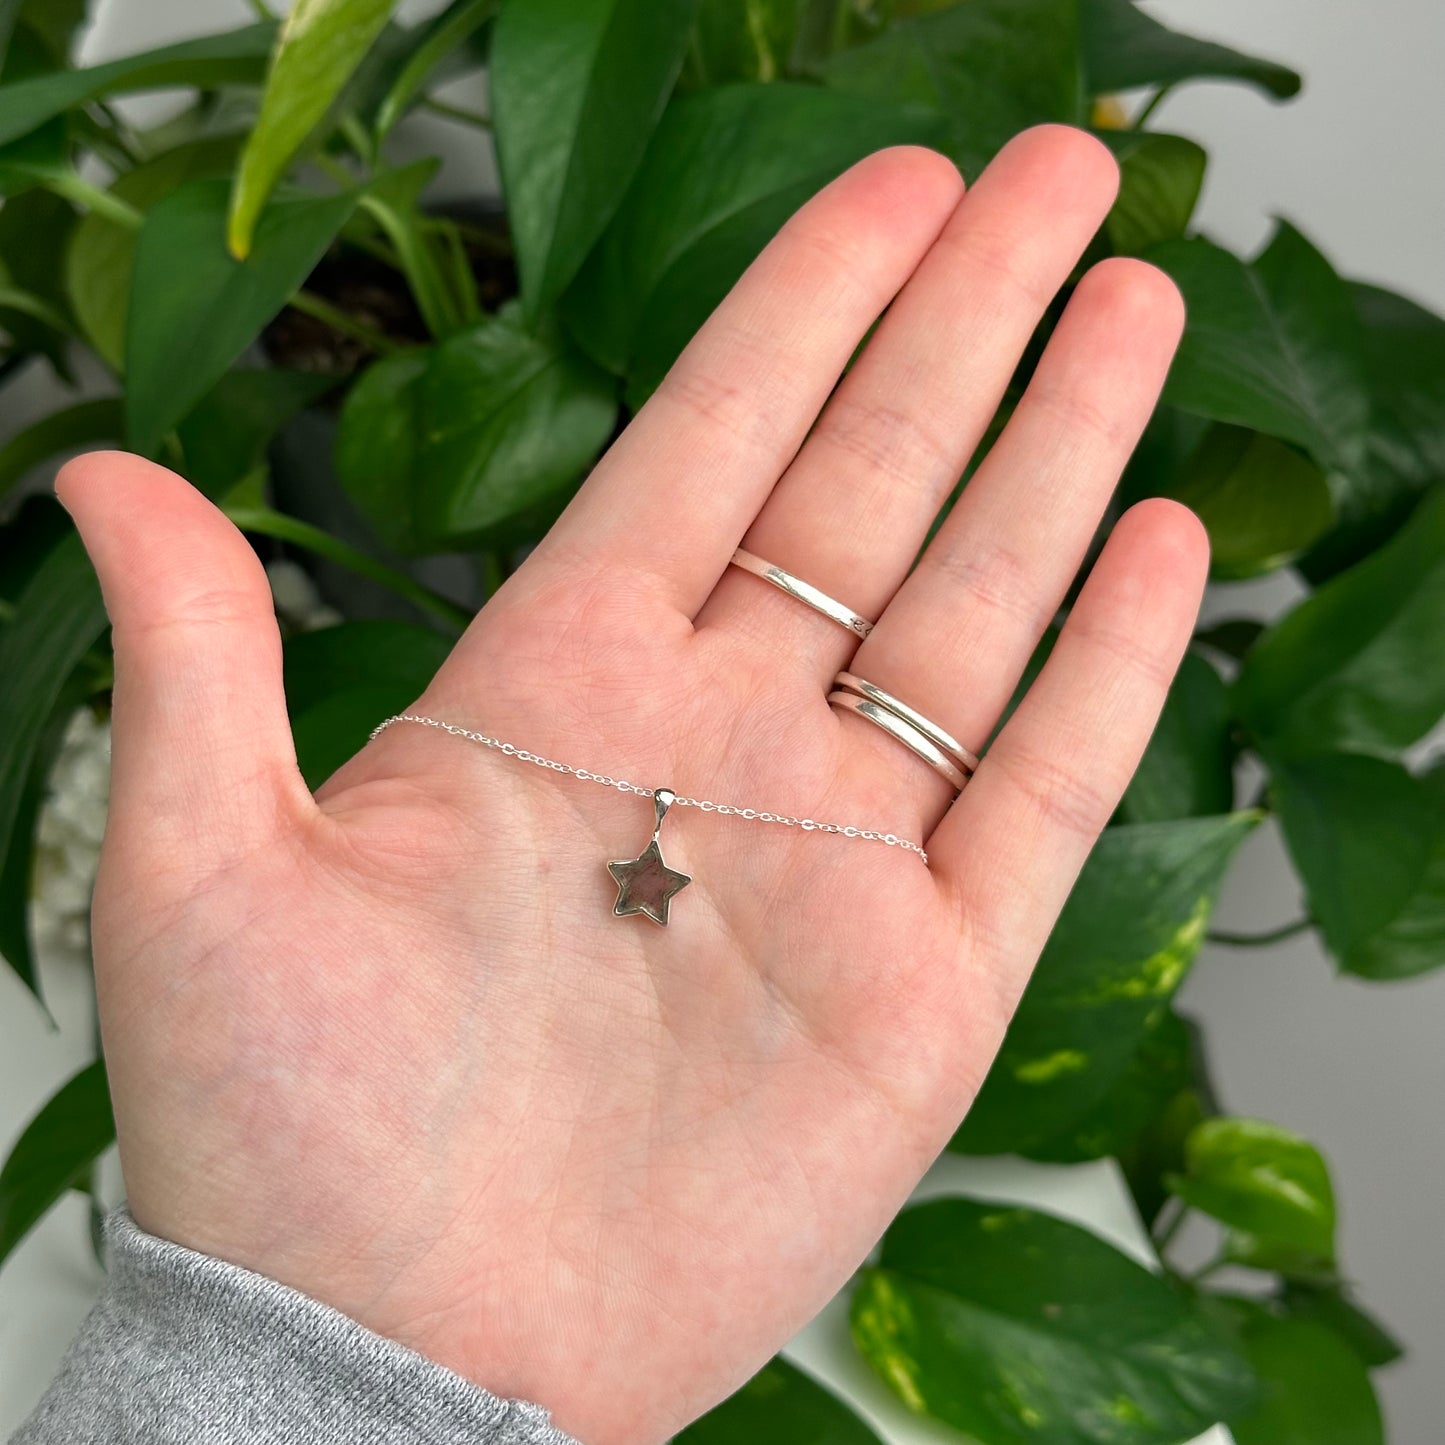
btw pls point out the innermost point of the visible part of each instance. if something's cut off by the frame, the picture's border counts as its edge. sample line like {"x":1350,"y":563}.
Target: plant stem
{"x":1207,"y":1271}
{"x":1150,"y":107}
{"x":262,"y":9}
{"x":458,"y":113}
{"x":1165,"y":1237}
{"x":1262,"y":940}
{"x":310,"y":304}
{"x":74,"y":187}
{"x":269,"y":523}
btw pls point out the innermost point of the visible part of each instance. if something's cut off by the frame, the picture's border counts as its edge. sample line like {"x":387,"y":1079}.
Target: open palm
{"x":389,"y":1044}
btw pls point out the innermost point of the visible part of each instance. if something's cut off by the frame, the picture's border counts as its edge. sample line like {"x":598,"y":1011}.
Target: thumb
{"x":203,"y":766}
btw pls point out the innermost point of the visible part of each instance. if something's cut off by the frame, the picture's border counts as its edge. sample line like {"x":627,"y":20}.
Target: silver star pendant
{"x":646,"y":884}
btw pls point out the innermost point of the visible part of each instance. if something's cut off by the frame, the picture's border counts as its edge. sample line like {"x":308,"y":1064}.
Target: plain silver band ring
{"x":851,"y":682}
{"x":905,"y":733}
{"x":803,"y":592}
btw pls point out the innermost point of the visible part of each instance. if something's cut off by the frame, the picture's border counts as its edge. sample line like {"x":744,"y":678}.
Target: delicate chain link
{"x":808,"y":825}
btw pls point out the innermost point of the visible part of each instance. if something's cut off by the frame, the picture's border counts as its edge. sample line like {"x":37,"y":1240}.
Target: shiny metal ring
{"x":803,"y":592}
{"x":851,"y":682}
{"x":904,"y":731}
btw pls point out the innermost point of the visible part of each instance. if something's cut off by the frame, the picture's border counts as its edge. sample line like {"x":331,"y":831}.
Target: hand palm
{"x":391,"y":1046}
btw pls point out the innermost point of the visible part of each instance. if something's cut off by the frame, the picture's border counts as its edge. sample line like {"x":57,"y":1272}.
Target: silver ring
{"x":803,"y":592}
{"x":905,"y":733}
{"x":851,"y":682}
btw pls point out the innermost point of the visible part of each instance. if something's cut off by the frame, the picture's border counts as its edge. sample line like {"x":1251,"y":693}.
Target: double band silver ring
{"x":803,"y":592}
{"x":943,"y":753}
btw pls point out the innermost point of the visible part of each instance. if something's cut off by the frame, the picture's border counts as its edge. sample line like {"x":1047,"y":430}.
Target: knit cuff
{"x":182,"y":1348}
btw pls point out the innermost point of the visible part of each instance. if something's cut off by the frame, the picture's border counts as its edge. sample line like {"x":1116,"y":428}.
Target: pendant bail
{"x":662,"y":800}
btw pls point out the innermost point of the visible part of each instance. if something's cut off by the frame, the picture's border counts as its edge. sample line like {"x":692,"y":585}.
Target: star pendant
{"x":646,"y":884}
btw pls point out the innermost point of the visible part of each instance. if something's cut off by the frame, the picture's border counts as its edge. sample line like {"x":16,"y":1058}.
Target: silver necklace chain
{"x":753,"y":815}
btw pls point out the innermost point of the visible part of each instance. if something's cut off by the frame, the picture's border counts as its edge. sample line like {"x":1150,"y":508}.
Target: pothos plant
{"x":647,"y":151}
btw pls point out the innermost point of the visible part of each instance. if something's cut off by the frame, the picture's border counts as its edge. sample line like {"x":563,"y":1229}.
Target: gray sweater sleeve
{"x":185,"y":1349}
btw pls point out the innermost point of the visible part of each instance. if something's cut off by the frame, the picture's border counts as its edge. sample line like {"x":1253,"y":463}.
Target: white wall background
{"x":1355,"y":162}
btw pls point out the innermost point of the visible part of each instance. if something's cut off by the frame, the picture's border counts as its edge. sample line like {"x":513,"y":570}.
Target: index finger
{"x":675,"y":493}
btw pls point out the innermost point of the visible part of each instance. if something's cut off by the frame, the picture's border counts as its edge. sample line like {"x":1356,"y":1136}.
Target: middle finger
{"x":851,"y":511}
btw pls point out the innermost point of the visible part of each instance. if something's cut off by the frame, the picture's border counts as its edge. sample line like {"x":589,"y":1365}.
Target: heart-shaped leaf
{"x":726,"y":168}
{"x":440,"y":448}
{"x":1356,"y":666}
{"x":1187,"y":771}
{"x":780,"y":1405}
{"x":237,"y":57}
{"x":1020,"y":1329}
{"x":1313,"y":1388}
{"x":1368,"y":839}
{"x":1405,"y":445}
{"x":194,"y":308}
{"x":991,"y":67}
{"x":1261,"y":1180}
{"x":1125,"y":47}
{"x":1261,"y":501}
{"x":1120,"y":949}
{"x":59,"y":1144}
{"x":1160,"y":177}
{"x":577,"y":88}
{"x":320,"y":44}
{"x":1274,"y":345}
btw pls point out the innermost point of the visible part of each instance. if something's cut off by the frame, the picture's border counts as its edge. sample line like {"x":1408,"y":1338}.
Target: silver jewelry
{"x":803,"y":592}
{"x":647,"y":879}
{"x":645,"y":884}
{"x":851,"y":682}
{"x":904,"y":731}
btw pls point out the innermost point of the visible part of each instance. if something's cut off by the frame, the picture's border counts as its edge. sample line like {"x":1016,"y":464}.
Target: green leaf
{"x":1125,"y":47}
{"x":1405,"y":446}
{"x":319,"y":46}
{"x":1159,"y":1069}
{"x":1020,"y":1329}
{"x":1356,"y":665}
{"x":57,"y":1148}
{"x":237,"y":57}
{"x":1187,"y":771}
{"x":1333,"y":1307}
{"x":58,"y":615}
{"x":440,"y":448}
{"x":225,"y":438}
{"x":1261,"y":501}
{"x":577,"y":88}
{"x":1368,"y":839}
{"x":1120,"y":949}
{"x":1262,"y":1180}
{"x":194,"y":308}
{"x":991,"y":67}
{"x":726,"y":168}
{"x":98,"y":420}
{"x":377,"y":442}
{"x":100,"y":256}
{"x":1274,"y":345}
{"x":1314,"y":1390}
{"x":1160,"y":177}
{"x":780,"y":1405}
{"x":341,"y":681}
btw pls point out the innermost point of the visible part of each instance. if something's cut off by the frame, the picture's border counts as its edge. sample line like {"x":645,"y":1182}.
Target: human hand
{"x":390,"y":1045}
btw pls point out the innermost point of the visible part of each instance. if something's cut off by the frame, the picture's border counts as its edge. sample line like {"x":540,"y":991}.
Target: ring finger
{"x":958,"y":635}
